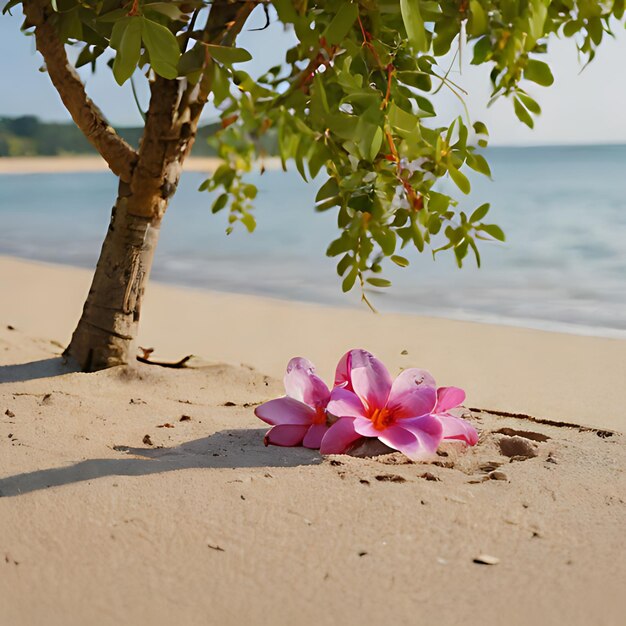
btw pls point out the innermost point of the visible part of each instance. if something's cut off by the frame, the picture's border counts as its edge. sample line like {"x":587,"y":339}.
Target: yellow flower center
{"x":381,"y":418}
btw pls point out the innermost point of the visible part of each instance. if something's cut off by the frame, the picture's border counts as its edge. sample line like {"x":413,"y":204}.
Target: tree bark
{"x":106,"y":332}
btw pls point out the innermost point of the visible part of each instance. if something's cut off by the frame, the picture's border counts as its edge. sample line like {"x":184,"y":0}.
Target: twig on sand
{"x":145,"y":358}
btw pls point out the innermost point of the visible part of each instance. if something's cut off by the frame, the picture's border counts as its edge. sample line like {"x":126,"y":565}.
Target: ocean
{"x":563,"y":266}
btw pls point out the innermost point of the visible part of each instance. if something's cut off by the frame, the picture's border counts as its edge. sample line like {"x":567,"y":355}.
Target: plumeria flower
{"x":369,"y":404}
{"x":453,"y":427}
{"x":299,"y":418}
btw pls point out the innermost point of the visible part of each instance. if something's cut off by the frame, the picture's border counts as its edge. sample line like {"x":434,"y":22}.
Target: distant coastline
{"x":28,"y":136}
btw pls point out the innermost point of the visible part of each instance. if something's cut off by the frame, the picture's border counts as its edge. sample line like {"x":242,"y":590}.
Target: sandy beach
{"x":94,"y":163}
{"x":145,"y":495}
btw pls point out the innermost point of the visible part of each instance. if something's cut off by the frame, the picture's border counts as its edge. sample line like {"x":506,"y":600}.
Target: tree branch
{"x":173,"y":117}
{"x":120,"y":156}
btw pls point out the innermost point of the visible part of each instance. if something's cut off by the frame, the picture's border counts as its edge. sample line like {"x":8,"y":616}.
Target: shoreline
{"x":544,"y":374}
{"x":94,"y":163}
{"x":490,"y":319}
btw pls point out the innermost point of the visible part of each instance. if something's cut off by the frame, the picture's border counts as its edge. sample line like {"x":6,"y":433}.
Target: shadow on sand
{"x":46,"y":368}
{"x":225,"y":449}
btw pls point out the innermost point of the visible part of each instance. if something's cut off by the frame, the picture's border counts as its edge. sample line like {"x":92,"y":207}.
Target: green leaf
{"x":329,"y":189}
{"x":346,"y":261}
{"x":169,"y":9}
{"x":473,"y":246}
{"x":365,"y":134}
{"x":224,"y":175}
{"x":438,"y":202}
{"x":386,"y":239}
{"x":460,"y":180}
{"x":341,"y":24}
{"x":340,"y":245}
{"x":495,"y":231}
{"x":326,"y":204}
{"x":113,"y":16}
{"x":400,"y":260}
{"x":418,"y":238}
{"x":478,"y":22}
{"x":460,"y":252}
{"x":571,"y":28}
{"x":403,"y":122}
{"x":529,"y":103}
{"x":425,"y":105}
{"x":219,"y":203}
{"x":249,"y":222}
{"x":522,"y":113}
{"x":128,"y":50}
{"x":162,"y":47}
{"x":479,"y":213}
{"x":116,"y":33}
{"x":318,"y":158}
{"x":595,"y":29}
{"x":539,"y":72}
{"x":414,"y":24}
{"x":379,"y":282}
{"x":482,"y":50}
{"x":377,"y":142}
{"x":286,"y":11}
{"x":480,"y":128}
{"x":479,"y":164}
{"x":350,"y":279}
{"x":538,"y":19}
{"x":250,"y":191}
{"x":482,"y":133}
{"x":70,"y":25}
{"x":228,"y":55}
{"x":445,"y":33}
{"x":191,"y":61}
{"x":221,"y":84}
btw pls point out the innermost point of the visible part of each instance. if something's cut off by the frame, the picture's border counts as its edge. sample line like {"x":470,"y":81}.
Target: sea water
{"x":562,"y":267}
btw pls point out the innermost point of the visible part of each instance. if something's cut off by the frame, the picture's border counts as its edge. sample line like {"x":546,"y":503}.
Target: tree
{"x":353,"y":98}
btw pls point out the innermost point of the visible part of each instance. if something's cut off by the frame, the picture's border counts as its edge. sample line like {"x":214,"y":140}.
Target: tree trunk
{"x":108,"y":326}
{"x":107,"y":329}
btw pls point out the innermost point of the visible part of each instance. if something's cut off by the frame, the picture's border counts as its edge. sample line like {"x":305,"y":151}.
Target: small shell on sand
{"x":486,"y":559}
{"x":498,"y":475}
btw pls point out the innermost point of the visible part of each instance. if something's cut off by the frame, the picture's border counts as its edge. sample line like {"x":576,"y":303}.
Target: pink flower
{"x":369,"y":404}
{"x":453,"y":427}
{"x":299,"y":418}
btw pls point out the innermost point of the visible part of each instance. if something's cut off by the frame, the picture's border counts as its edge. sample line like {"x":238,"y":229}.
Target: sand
{"x":199,"y":523}
{"x":94,"y":163}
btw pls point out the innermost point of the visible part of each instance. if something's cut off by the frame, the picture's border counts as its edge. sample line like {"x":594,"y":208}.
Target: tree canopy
{"x":352,"y":105}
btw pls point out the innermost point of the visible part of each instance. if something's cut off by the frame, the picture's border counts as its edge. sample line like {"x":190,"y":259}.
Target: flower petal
{"x":339,"y":436}
{"x":285,"y":410}
{"x":402,"y":440}
{"x":342,"y":372}
{"x":302,"y":384}
{"x":413,"y":394}
{"x":344,"y":403}
{"x":285,"y":435}
{"x":314,"y":436}
{"x":428,"y":431}
{"x":370,"y":379}
{"x":449,"y":398}
{"x":458,"y":428}
{"x":364,"y":427}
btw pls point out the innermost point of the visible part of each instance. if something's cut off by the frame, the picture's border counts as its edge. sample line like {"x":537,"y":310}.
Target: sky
{"x":580,"y":108}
